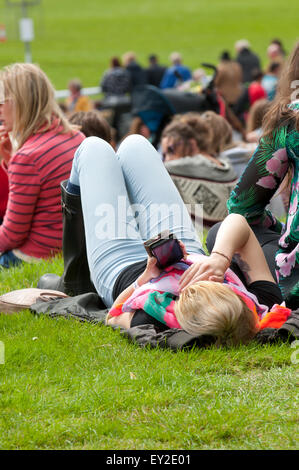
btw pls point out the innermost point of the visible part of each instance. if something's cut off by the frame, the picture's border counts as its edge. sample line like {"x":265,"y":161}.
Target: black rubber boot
{"x":75,"y":279}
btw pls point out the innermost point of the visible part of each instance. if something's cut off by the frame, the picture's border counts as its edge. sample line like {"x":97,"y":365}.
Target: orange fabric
{"x":273,"y":319}
{"x":82,"y":104}
{"x":276,"y":318}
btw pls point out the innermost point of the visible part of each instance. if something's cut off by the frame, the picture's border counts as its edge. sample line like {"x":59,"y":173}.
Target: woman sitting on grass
{"x":128,"y":197}
{"x":39,"y":144}
{"x":200,"y":176}
{"x":187,"y":150}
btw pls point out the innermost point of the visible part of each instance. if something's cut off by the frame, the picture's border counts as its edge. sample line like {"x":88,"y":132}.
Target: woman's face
{"x":6,"y":114}
{"x":172,"y":149}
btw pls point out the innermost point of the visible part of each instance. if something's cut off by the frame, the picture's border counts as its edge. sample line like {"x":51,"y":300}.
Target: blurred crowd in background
{"x":239,"y":83}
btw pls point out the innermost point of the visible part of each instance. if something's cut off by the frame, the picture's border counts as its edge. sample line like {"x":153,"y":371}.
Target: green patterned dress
{"x":260,"y":180}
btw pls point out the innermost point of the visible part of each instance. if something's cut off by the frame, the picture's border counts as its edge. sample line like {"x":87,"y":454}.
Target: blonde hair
{"x":34,"y":103}
{"x":175,"y":58}
{"x":211,"y":308}
{"x":128,"y":57}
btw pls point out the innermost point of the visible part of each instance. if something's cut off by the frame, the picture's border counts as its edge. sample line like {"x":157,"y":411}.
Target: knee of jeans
{"x":93,"y":147}
{"x":132,"y":145}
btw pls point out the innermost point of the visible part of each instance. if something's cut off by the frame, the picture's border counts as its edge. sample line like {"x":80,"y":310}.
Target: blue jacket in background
{"x":175,"y":75}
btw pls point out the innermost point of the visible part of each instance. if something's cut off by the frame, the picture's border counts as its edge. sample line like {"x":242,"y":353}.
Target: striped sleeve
{"x":3,"y":189}
{"x":24,"y":189}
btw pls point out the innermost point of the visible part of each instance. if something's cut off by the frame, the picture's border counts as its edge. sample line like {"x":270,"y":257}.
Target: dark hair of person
{"x":257,"y":74}
{"x":91,"y":123}
{"x":273,"y":67}
{"x":115,"y":62}
{"x":225,"y":55}
{"x":278,"y":42}
{"x":153,"y":58}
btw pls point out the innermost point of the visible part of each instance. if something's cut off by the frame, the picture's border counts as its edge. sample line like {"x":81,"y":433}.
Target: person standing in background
{"x":155,"y":71}
{"x":249,"y":61}
{"x":116,"y":80}
{"x":137,"y":73}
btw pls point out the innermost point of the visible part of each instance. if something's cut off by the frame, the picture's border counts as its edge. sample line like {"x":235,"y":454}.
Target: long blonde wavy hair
{"x":34,"y":103}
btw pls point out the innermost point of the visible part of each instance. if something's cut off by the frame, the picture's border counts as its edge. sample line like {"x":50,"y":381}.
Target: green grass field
{"x":71,"y":385}
{"x":77,"y":39}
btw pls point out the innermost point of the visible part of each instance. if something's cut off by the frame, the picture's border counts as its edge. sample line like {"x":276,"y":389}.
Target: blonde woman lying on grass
{"x":198,"y":293}
{"x":204,"y":296}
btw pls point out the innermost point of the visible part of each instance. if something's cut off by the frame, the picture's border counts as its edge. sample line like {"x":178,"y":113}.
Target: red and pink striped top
{"x":33,"y":219}
{"x":3,"y":190}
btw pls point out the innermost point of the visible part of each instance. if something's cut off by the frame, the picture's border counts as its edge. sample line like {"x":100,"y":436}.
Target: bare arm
{"x":124,"y":320}
{"x":234,"y":237}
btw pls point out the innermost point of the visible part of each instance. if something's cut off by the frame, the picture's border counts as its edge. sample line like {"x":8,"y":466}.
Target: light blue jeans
{"x":127,"y":197}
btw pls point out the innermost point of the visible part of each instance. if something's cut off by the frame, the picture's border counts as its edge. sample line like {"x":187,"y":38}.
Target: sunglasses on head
{"x":171,"y":149}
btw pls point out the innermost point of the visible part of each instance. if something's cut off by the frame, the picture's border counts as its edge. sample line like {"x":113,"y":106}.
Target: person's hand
{"x":151,"y":271}
{"x":210,"y":268}
{"x":5,"y":145}
{"x":183,"y":248}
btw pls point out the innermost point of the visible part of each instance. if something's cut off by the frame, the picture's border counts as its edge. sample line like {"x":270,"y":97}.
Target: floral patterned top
{"x":261,"y":178}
